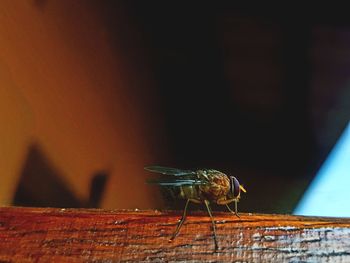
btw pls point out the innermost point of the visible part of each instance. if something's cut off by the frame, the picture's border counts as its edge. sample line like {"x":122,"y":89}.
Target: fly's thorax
{"x":218,"y":185}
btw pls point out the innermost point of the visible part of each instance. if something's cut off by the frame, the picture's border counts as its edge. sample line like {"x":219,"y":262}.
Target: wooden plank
{"x":85,"y":235}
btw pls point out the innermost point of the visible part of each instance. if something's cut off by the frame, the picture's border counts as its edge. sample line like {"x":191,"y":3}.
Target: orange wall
{"x":65,"y":87}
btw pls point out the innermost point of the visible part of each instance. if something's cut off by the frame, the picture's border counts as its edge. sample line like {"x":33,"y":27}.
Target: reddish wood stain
{"x":81,"y":235}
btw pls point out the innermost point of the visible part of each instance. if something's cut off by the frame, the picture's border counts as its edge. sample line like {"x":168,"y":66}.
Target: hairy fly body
{"x":201,"y":186}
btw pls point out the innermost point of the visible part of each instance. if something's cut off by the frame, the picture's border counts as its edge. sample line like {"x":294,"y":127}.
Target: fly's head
{"x":235,"y":188}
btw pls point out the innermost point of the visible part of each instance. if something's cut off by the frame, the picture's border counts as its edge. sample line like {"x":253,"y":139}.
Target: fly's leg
{"x":179,"y":225}
{"x":226,"y":202}
{"x":233,"y":212}
{"x":213,"y":223}
{"x":229,"y":209}
{"x":236,"y":210}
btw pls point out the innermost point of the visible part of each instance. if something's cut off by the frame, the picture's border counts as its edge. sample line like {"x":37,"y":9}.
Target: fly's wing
{"x":181,"y":177}
{"x":175,"y":182}
{"x":169,"y":171}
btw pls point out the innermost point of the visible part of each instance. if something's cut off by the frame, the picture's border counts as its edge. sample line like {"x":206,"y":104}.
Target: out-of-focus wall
{"x":65,"y":88}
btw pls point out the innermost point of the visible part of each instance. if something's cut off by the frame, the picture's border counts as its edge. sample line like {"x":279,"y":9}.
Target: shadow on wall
{"x":42,"y":185}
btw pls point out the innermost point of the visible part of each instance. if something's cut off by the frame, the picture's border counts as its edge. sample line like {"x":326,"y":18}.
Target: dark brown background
{"x":93,"y":91}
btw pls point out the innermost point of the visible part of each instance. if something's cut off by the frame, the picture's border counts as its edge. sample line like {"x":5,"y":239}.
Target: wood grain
{"x":85,"y":235}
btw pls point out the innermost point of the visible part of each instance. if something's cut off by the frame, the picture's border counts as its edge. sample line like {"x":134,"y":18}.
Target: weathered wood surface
{"x":81,"y":235}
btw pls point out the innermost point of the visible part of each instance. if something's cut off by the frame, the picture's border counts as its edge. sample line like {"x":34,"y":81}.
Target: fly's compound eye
{"x":234,"y":185}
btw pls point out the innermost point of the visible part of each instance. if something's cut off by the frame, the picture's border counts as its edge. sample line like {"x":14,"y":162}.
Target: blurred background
{"x":93,"y":91}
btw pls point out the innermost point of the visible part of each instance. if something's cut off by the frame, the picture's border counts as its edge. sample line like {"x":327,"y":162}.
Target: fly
{"x":200,"y":186}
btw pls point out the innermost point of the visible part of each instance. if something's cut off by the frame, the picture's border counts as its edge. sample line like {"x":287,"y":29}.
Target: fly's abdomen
{"x":189,"y":192}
